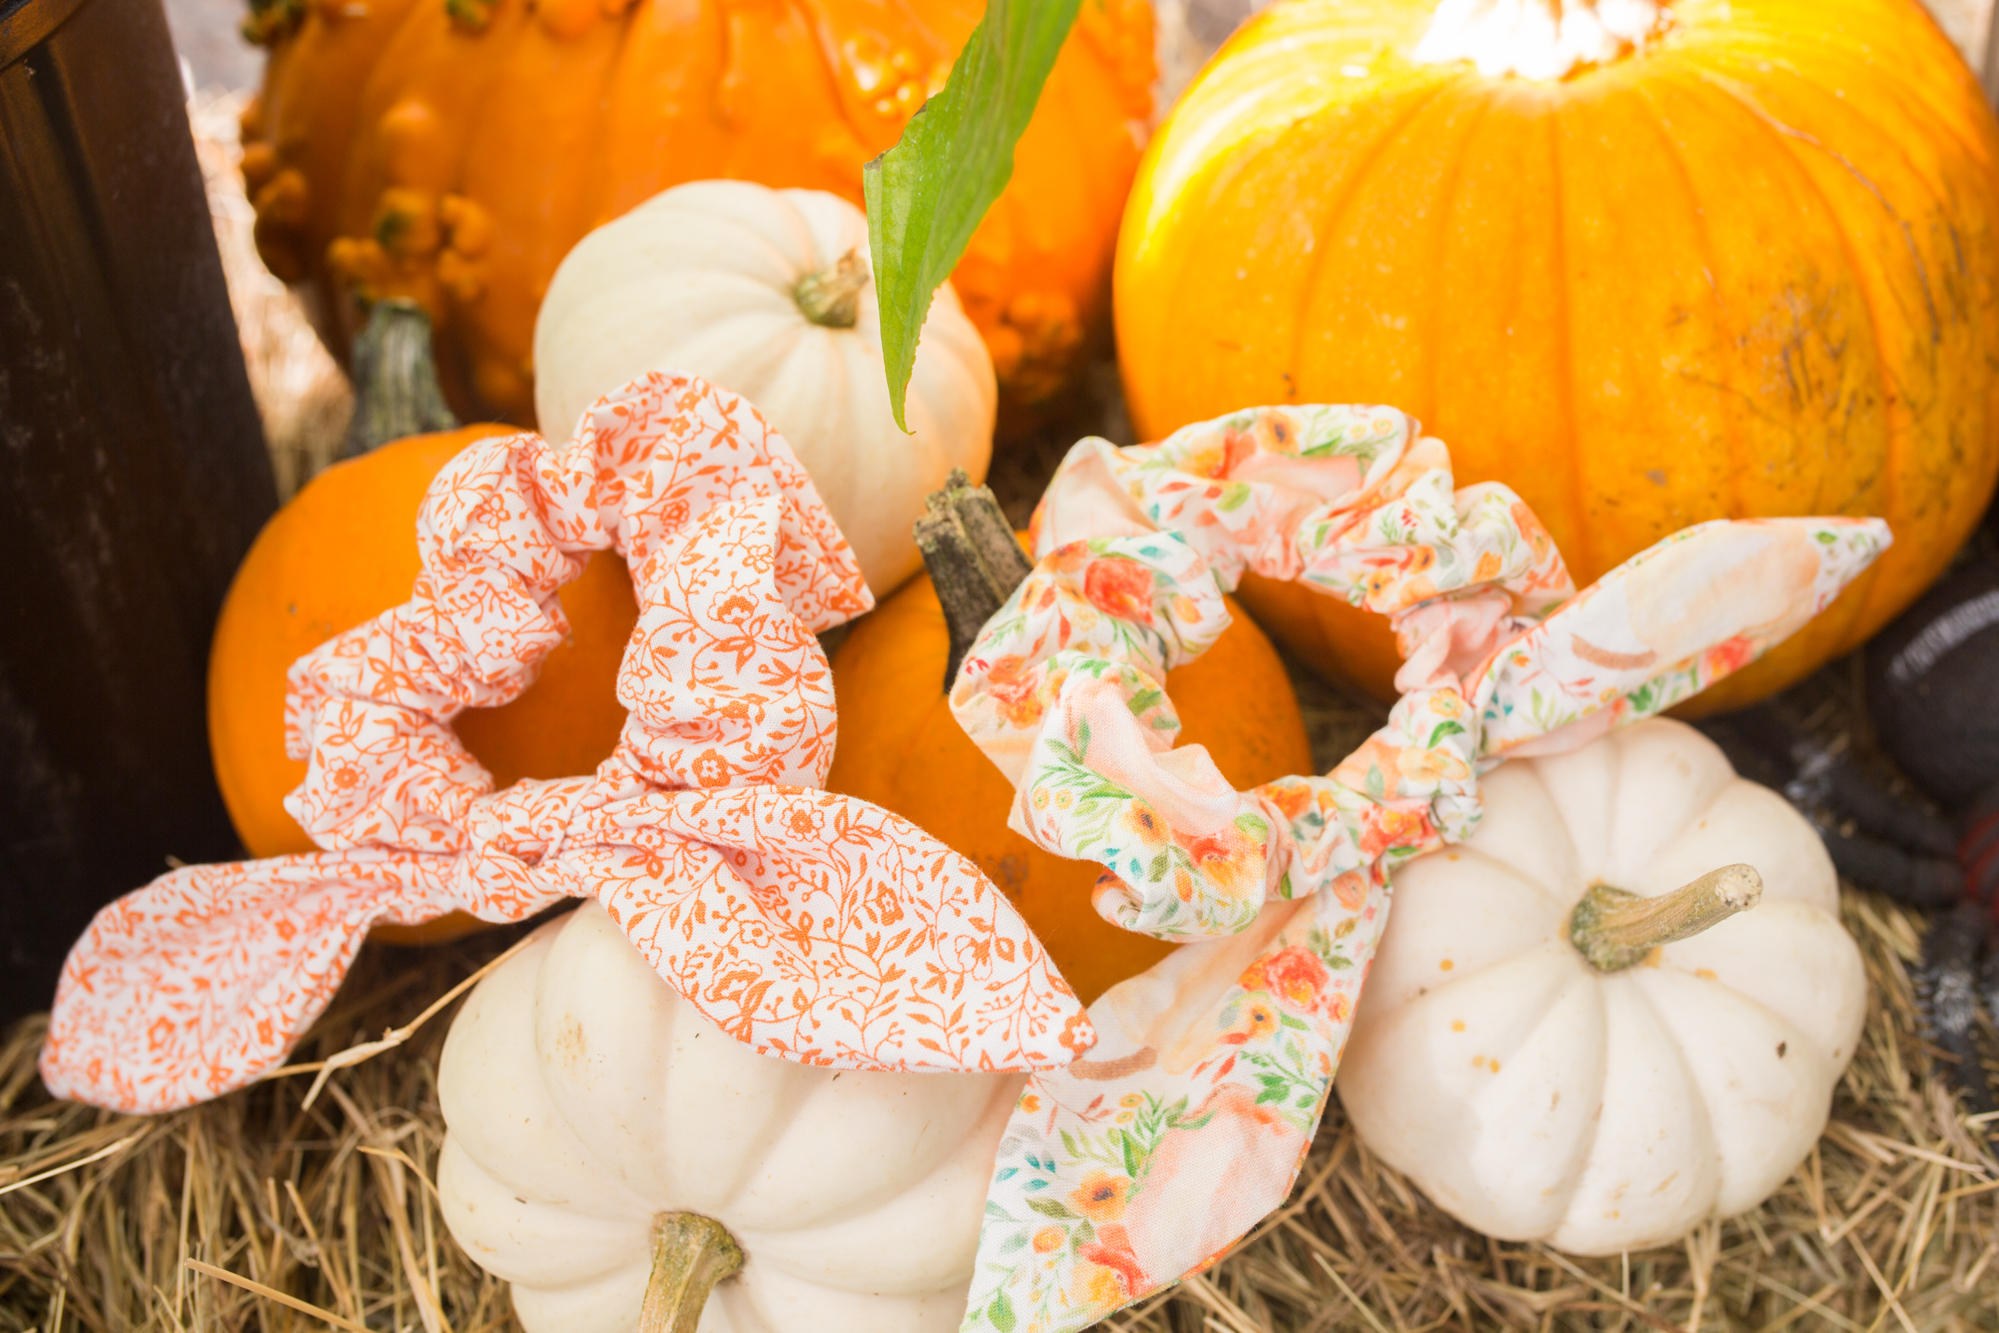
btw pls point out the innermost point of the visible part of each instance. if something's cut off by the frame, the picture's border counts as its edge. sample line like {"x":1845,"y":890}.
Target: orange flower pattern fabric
{"x":810,"y":926}
{"x":1144,"y":1160}
{"x":1161,"y":1125}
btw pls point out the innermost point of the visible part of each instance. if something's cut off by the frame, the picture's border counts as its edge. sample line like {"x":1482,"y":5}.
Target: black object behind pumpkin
{"x":132,"y":475}
{"x":1933,"y":687}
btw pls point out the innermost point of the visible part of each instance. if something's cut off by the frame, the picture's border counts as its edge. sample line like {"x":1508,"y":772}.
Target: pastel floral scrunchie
{"x":811,"y":926}
{"x":1145,"y":1159}
{"x":814,"y":927}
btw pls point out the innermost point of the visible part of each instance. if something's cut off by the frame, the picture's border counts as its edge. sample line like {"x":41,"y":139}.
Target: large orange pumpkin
{"x":900,"y":747}
{"x":344,"y":550}
{"x":454,"y":150}
{"x":1745,"y":266}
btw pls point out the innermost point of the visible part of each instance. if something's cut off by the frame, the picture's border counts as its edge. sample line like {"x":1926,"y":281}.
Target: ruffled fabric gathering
{"x":811,"y":926}
{"x":1162,"y":1125}
{"x":1143,"y":1161}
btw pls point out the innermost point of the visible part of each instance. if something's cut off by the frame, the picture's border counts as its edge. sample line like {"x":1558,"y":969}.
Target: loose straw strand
{"x":368,"y":1050}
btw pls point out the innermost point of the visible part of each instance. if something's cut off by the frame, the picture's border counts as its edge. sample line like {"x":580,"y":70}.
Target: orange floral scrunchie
{"x":811,"y":926}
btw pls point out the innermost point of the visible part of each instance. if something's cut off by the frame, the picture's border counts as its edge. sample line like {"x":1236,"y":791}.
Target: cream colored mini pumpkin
{"x":1535,"y":1096}
{"x":769,"y":293}
{"x":584,"y":1100}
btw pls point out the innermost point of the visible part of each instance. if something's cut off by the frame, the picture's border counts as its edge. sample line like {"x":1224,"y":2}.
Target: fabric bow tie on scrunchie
{"x":821,"y":929}
{"x":1145,"y":1160}
{"x":810,"y":926}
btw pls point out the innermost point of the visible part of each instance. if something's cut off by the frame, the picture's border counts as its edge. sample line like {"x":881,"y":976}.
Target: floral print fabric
{"x":811,"y":926}
{"x":1145,"y":1159}
{"x":1163,"y":1124}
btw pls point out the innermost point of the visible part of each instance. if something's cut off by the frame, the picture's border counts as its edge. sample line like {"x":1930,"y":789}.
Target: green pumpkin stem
{"x":831,"y":296}
{"x":395,"y":379}
{"x":975,"y":562}
{"x":690,"y":1254}
{"x":1615,"y":929}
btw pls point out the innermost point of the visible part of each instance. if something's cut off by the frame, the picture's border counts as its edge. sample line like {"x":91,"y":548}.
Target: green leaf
{"x":1052,"y":1208}
{"x":928,"y":194}
{"x":1445,"y":729}
{"x":1000,"y":1313}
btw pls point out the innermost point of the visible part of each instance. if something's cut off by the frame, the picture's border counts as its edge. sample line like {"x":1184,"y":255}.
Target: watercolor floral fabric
{"x":811,"y":926}
{"x":1143,"y":1160}
{"x":1161,"y":1125}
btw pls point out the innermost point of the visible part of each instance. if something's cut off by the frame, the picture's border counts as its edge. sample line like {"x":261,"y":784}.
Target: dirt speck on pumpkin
{"x":571,"y":1046}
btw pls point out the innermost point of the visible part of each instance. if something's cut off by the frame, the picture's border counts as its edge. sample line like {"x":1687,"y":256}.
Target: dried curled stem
{"x":395,"y":379}
{"x":1615,"y":929}
{"x":831,"y":296}
{"x":975,"y":562}
{"x":690,"y":1254}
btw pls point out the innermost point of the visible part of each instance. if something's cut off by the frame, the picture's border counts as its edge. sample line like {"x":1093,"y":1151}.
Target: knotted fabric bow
{"x":1145,"y":1160}
{"x":811,"y":926}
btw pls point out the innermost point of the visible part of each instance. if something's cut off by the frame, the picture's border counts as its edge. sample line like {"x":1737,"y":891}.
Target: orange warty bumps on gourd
{"x":1716,"y":258}
{"x":454,"y":150}
{"x":344,"y":550}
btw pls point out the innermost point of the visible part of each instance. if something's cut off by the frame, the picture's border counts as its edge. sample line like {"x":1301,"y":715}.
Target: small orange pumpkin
{"x":901,"y":748}
{"x":452,"y":151}
{"x":344,"y":550}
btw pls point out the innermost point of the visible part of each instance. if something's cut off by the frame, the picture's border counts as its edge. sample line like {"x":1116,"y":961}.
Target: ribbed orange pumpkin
{"x":454,"y":150}
{"x":900,"y":747}
{"x":1744,"y":266}
{"x":344,"y":550}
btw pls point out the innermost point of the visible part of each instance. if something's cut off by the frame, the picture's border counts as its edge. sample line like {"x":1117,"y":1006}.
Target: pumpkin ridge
{"x":597,"y":183}
{"x":1447,"y":196}
{"x":1544,"y":893}
{"x":1864,"y":58}
{"x":1802,"y":1042}
{"x":1801,"y":1045}
{"x":1909,"y":96}
{"x":1586,"y":977}
{"x":1895,"y":411}
{"x":1348,"y":195}
{"x":1793,"y":134}
{"x":1860,"y":598}
{"x":739,"y":234}
{"x":770,"y":1242}
{"x":1700,"y":1129}
{"x":1726,"y":402}
{"x":1576,"y":541}
{"x":1925,"y":118}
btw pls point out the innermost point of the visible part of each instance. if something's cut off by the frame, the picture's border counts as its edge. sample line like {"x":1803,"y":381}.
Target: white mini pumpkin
{"x":584,"y":1099}
{"x":1534,"y":1096}
{"x":745,"y":286}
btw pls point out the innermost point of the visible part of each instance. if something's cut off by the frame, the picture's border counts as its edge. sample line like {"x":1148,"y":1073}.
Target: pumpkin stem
{"x":975,"y":561}
{"x":831,"y":296}
{"x":395,"y":379}
{"x":690,"y":1254}
{"x":1615,"y":929}
{"x":1537,"y":39}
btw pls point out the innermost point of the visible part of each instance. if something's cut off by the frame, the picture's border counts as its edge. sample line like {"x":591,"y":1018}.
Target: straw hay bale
{"x":1893,"y":1223}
